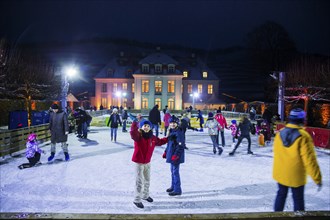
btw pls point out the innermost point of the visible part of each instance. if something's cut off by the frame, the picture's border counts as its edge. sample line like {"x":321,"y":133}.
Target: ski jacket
{"x":294,"y":157}
{"x":244,"y":128}
{"x":233,"y":128}
{"x":222,"y":121}
{"x":144,"y":147}
{"x":175,"y":145}
{"x":32,"y":148}
{"x":114,"y":120}
{"x":212,"y":125}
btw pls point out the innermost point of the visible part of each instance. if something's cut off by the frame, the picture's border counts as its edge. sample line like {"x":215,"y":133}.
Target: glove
{"x":175,"y":158}
{"x":319,"y":187}
{"x":236,"y":137}
{"x":164,"y":154}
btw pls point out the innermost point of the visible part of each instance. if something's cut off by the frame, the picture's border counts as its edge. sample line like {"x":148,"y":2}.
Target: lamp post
{"x":194,"y":95}
{"x":68,"y":72}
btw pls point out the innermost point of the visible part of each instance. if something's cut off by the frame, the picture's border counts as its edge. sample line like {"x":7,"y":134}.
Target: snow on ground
{"x":100,"y":179}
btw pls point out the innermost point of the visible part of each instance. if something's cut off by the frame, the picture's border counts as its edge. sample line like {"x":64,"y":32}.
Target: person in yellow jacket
{"x":294,"y":159}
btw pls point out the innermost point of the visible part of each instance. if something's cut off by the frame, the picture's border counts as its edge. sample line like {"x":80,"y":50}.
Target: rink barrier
{"x":321,"y":136}
{"x":319,"y":215}
{"x":12,"y":141}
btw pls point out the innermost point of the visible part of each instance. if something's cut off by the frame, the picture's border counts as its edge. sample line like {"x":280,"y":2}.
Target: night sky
{"x":205,"y":24}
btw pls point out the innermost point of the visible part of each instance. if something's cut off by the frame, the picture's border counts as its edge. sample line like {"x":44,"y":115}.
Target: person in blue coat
{"x":174,"y":154}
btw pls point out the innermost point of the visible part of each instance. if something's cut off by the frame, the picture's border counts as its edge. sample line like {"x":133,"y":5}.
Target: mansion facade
{"x":141,"y":82}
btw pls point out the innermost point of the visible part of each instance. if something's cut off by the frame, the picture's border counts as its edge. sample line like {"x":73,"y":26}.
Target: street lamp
{"x":121,"y":95}
{"x":194,"y":95}
{"x":67,"y":72}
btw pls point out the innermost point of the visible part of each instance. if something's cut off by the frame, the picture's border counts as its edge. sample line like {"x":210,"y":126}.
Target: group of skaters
{"x":291,"y":143}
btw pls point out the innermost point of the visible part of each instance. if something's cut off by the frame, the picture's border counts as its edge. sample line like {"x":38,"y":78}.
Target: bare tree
{"x":270,"y":46}
{"x":27,"y":75}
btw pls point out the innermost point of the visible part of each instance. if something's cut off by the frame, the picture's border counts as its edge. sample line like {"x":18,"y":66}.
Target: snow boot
{"x":174,"y":194}
{"x":231,"y":153}
{"x":169,"y":190}
{"x":201,"y":130}
{"x":250,"y":152}
{"x":220,"y":150}
{"x":149,"y":199}
{"x":51,"y":157}
{"x":139,"y":205}
{"x":67,"y":157}
{"x":214,"y":151}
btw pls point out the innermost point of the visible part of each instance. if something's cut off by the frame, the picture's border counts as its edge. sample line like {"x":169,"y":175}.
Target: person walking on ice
{"x":244,"y":127}
{"x":294,"y":159}
{"x":144,"y":145}
{"x":59,"y":130}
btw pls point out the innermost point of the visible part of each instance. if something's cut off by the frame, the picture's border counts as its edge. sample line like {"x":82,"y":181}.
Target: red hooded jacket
{"x":144,"y":147}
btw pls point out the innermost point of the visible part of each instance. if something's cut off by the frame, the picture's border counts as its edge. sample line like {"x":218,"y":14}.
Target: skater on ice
{"x":59,"y":129}
{"x":174,"y":155}
{"x":144,"y":145}
{"x":33,"y":152}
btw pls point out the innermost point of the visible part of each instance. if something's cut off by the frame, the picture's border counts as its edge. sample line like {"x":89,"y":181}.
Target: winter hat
{"x":31,"y":137}
{"x":174,"y":119}
{"x":297,"y":114}
{"x":145,"y":122}
{"x":219,"y":111}
{"x":233,"y":121}
{"x":210,"y":115}
{"x":54,"y":106}
{"x":115,"y":110}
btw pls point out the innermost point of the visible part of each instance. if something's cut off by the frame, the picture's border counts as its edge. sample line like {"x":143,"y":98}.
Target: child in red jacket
{"x":144,"y":145}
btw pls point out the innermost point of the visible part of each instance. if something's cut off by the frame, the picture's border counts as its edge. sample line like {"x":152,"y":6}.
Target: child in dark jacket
{"x":33,"y":152}
{"x":245,"y":127}
{"x":174,"y":154}
{"x":144,"y":145}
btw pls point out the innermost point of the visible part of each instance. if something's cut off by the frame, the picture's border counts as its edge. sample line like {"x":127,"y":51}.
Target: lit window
{"x":104,"y":87}
{"x":124,"y":102}
{"x":158,"y":102}
{"x":133,"y":86}
{"x":170,"y":86}
{"x":185,"y":74}
{"x":204,"y":74}
{"x":145,"y":86}
{"x":209,"y":89}
{"x":158,"y":86}
{"x":144,"y":103}
{"x":200,"y":88}
{"x":189,"y":88}
{"x":170,"y":103}
{"x":104,"y":102}
{"x":115,"y":87}
{"x":124,"y":86}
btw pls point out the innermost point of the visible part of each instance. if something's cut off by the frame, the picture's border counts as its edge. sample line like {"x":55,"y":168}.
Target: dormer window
{"x":204,"y":74}
{"x":110,"y":72}
{"x":145,"y":68}
{"x":171,"y":68}
{"x":158,"y":68}
{"x":185,"y":74}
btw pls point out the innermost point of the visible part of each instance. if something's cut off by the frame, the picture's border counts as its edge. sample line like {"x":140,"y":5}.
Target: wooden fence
{"x":12,"y":141}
